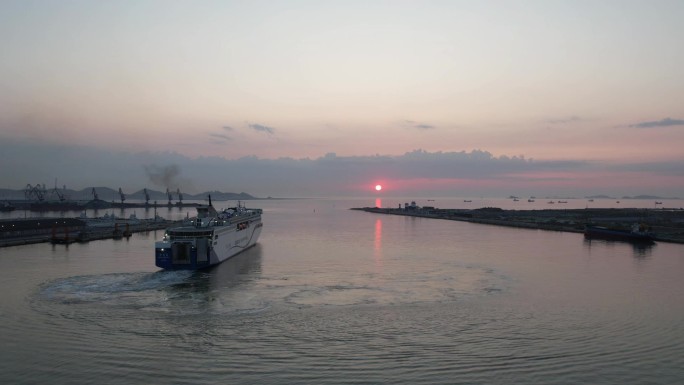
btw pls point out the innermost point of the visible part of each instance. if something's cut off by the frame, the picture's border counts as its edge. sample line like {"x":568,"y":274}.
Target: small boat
{"x":530,"y":200}
{"x":209,"y":238}
{"x":6,"y":206}
{"x":467,"y":200}
{"x":638,"y":233}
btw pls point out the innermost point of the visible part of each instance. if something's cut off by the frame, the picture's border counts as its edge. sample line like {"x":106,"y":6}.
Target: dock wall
{"x":22,"y":232}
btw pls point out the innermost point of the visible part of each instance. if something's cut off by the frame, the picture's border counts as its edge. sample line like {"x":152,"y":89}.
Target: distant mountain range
{"x":109,"y":194}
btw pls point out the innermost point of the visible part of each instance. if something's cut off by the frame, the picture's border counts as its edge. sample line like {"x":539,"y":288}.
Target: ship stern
{"x":182,"y":255}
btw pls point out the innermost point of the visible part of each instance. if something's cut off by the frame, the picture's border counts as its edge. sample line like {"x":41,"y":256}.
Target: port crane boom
{"x":123,"y":197}
{"x":37,"y":192}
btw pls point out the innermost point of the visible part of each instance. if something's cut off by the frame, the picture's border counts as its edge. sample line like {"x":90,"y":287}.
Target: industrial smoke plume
{"x":163,"y":176}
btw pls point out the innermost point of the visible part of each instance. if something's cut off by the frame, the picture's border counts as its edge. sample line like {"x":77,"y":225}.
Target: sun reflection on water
{"x":378,"y":243}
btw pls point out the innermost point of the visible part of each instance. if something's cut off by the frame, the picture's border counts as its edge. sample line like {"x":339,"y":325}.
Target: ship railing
{"x":189,"y":234}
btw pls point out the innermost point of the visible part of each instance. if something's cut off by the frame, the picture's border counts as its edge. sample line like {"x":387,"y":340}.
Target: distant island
{"x":648,"y":197}
{"x":604,"y":197}
{"x":629,"y":197}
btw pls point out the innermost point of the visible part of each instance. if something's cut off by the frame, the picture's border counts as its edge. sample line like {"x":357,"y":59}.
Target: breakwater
{"x":666,"y":225}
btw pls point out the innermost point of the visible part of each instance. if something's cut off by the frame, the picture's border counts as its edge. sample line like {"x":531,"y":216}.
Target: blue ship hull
{"x":618,"y":235}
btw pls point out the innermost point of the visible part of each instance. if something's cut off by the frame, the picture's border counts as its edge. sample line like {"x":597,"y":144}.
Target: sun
{"x":378,"y":187}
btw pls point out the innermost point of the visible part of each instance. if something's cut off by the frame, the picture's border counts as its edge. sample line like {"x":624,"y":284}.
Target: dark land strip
{"x":667,"y":225}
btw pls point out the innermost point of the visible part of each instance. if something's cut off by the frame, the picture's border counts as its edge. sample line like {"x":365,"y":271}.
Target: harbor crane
{"x":147,"y":197}
{"x":36,"y":192}
{"x":169,"y":195}
{"x":123,"y":197}
{"x":60,"y":195}
{"x":180,"y":197}
{"x":95,"y":197}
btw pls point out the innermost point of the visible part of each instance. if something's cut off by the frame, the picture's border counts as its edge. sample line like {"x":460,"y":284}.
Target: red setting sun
{"x":378,"y":187}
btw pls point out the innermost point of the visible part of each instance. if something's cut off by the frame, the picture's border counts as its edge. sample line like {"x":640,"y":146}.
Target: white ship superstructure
{"x":210,"y":238}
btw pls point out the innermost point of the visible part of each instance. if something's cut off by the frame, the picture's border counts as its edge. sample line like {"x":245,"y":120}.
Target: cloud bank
{"x":565,"y":120}
{"x":415,"y":173}
{"x":262,"y":128}
{"x":667,"y":122}
{"x":418,"y":126}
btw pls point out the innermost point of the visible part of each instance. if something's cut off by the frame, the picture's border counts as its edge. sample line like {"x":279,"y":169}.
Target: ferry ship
{"x":209,"y":238}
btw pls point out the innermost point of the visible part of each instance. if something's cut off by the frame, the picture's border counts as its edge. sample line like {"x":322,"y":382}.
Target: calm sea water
{"x":334,"y":296}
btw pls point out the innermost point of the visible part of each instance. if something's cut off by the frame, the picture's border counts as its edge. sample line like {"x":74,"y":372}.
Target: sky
{"x":330,"y":98}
